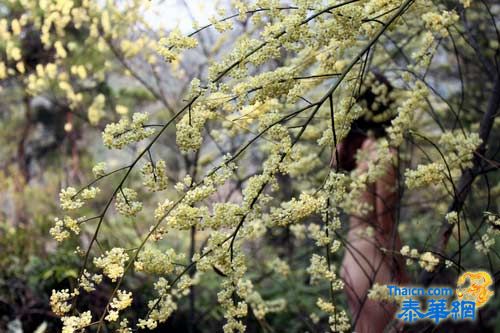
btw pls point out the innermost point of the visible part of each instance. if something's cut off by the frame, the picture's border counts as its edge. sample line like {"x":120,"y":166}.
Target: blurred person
{"x":365,"y":263}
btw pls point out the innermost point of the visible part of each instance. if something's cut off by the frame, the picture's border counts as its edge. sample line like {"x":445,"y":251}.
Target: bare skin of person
{"x":364,"y":262}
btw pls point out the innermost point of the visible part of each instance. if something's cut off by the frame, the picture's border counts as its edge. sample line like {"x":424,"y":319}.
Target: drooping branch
{"x":468,"y":176}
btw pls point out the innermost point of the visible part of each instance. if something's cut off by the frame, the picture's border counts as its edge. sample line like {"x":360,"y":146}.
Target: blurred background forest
{"x":47,"y":144}
{"x":55,"y":102}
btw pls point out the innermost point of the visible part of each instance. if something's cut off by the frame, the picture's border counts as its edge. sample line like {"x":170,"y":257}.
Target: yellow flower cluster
{"x":346,"y":112}
{"x":459,"y":148}
{"x":154,"y":261}
{"x":88,"y":281}
{"x":42,"y":78}
{"x":122,"y":301}
{"x":410,"y":254}
{"x":162,"y":209}
{"x":338,"y":319}
{"x":224,"y":215}
{"x":424,"y":175}
{"x":112,"y":263}
{"x":295,"y":210}
{"x":59,"y":301}
{"x":79,"y":70}
{"x":89,"y":193}
{"x":164,"y":306}
{"x":68,"y":199}
{"x":122,"y":110}
{"x":188,"y":135}
{"x":465,"y":3}
{"x":415,"y":100}
{"x":199,"y":193}
{"x":319,"y":271}
{"x":61,"y":230}
{"x":184,"y":285}
{"x":487,"y":240}
{"x":220,"y":25}
{"x":170,"y":47}
{"x":233,"y":312}
{"x":99,"y":169}
{"x":428,"y":261}
{"x":484,"y":244}
{"x":96,"y":109}
{"x":272,"y":84}
{"x":155,"y":177}
{"x":73,"y":324}
{"x":118,"y":135}
{"x":458,"y":151}
{"x":280,"y":267}
{"x":259,"y":306}
{"x":185,"y":216}
{"x":493,"y":220}
{"x":319,"y":234}
{"x":379,"y":292}
{"x":452,"y":217}
{"x":126,"y":204}
{"x":439,"y":22}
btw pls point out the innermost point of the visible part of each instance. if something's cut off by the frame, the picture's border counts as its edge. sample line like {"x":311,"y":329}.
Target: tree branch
{"x":467,"y":178}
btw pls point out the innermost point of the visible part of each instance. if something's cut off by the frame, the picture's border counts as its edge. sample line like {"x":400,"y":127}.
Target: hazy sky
{"x":172,"y":13}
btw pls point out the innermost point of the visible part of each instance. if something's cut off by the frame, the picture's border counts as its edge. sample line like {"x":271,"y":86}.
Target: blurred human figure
{"x":373,"y":238}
